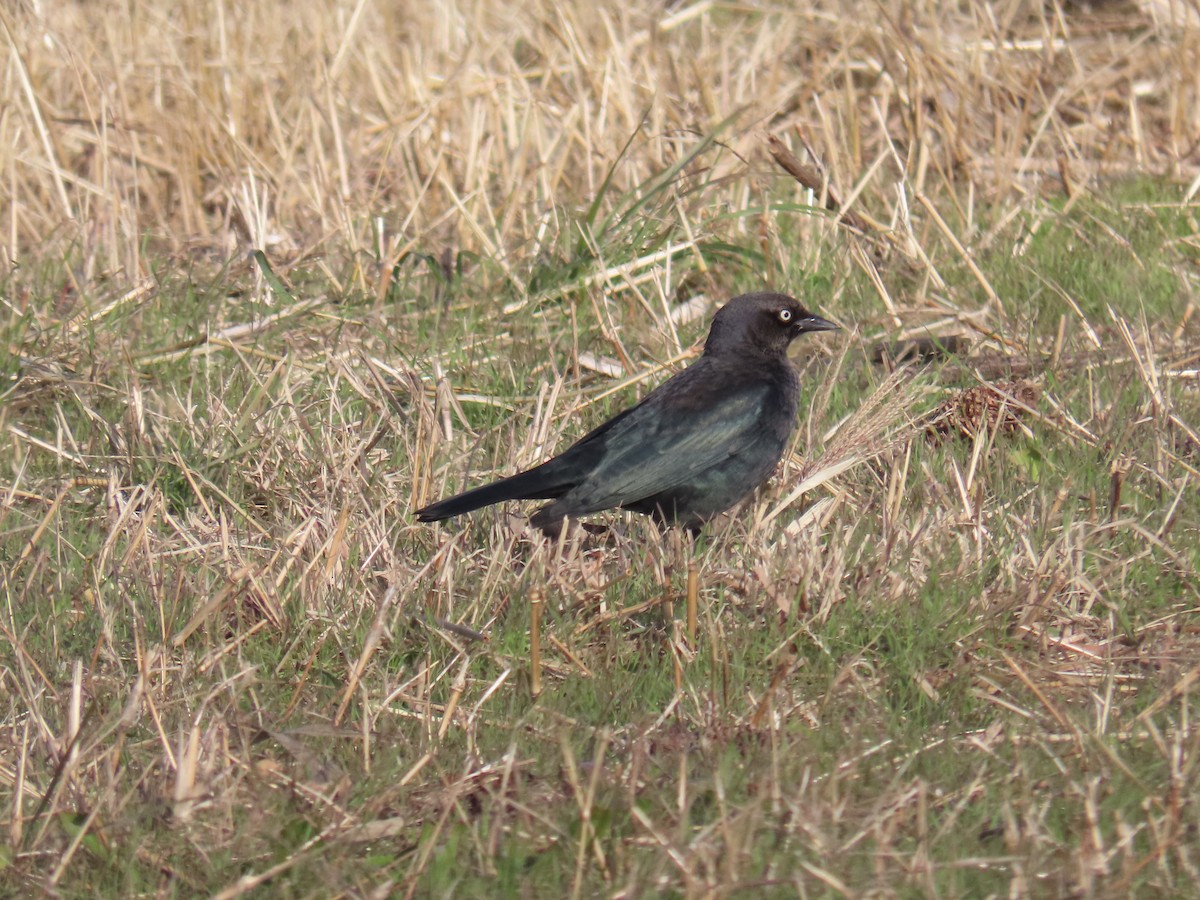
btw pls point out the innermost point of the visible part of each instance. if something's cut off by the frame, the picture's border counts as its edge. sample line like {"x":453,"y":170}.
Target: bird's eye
{"x":785,"y":315}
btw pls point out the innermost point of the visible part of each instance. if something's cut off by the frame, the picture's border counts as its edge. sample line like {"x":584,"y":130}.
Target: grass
{"x":962,"y":663}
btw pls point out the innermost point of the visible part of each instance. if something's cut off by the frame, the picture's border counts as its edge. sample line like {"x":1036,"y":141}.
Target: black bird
{"x":695,"y":446}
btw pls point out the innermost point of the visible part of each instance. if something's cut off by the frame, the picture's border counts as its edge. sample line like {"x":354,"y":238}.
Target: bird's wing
{"x":655,"y":447}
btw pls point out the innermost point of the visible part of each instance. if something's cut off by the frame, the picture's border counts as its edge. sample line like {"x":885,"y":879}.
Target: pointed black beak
{"x":816,"y":323}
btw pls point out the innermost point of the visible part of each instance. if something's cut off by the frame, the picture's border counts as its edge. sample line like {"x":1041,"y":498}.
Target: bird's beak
{"x":816,"y":323}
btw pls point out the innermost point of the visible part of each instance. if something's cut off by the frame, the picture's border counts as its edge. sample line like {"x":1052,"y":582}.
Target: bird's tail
{"x":528,"y":485}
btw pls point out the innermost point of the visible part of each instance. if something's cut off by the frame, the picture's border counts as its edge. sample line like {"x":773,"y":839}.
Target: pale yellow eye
{"x":785,"y":316}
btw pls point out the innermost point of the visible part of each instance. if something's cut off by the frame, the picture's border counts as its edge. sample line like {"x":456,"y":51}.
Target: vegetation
{"x":278,"y":273}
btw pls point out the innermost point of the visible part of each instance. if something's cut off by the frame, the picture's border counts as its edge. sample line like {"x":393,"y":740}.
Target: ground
{"x":278,"y":274}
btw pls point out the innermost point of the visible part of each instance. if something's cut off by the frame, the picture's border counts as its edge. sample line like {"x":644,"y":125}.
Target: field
{"x":276,"y":274}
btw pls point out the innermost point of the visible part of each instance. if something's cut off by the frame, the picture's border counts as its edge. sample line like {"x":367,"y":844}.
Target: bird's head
{"x":763,"y":322}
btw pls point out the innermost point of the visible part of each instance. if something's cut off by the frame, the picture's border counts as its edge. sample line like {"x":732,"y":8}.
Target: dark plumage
{"x":693,"y":447}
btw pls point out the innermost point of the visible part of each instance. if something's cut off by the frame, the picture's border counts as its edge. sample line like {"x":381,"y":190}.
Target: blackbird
{"x":695,"y":445}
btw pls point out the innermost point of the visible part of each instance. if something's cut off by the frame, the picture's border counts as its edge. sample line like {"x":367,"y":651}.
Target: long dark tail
{"x":542,"y":482}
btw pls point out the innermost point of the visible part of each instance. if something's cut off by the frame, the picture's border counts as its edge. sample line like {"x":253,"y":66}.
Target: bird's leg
{"x":554,"y":528}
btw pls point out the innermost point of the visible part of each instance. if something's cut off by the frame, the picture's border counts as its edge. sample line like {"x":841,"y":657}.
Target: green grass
{"x":268,"y":290}
{"x":976,"y":681}
{"x":1096,"y":256}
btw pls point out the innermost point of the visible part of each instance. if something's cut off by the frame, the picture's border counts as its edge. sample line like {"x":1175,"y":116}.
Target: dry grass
{"x":278,"y":273}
